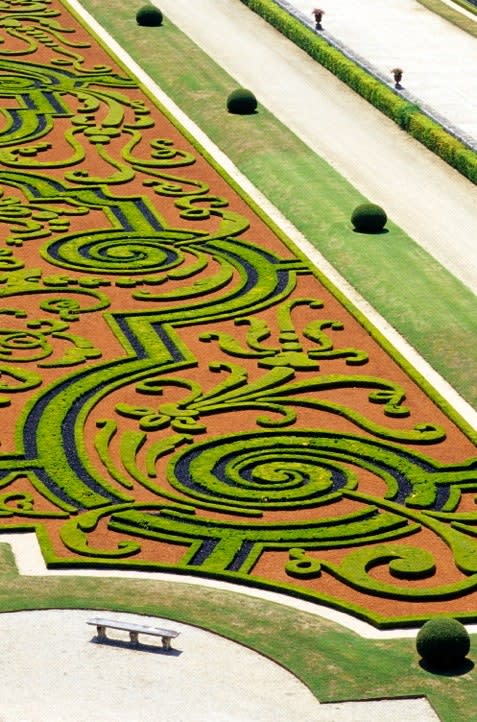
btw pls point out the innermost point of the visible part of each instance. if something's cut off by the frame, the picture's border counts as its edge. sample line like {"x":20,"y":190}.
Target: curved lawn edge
{"x":336,"y":664}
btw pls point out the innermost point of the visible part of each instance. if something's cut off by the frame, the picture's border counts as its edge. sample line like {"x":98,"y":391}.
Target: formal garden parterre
{"x":182,"y":390}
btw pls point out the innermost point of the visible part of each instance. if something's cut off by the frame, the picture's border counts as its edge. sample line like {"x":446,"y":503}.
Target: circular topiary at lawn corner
{"x":242,"y":102}
{"x":368,"y":218}
{"x":443,"y":642}
{"x":149,"y":16}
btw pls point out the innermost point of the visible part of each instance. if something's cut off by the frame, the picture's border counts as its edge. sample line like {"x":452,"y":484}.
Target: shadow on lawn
{"x":458,"y":670}
{"x":371,"y":233}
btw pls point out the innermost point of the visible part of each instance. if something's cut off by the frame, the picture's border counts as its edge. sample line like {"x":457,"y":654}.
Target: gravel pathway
{"x":69,"y":677}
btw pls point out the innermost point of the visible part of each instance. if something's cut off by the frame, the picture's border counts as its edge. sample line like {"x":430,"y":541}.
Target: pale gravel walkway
{"x":433,"y":203}
{"x":403,"y":33}
{"x":69,"y":677}
{"x":52,"y":671}
{"x":66,"y":676}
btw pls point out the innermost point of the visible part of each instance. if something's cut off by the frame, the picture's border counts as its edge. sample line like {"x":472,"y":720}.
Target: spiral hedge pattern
{"x":181,"y":390}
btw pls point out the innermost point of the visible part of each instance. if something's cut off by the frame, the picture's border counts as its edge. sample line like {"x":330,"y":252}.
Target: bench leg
{"x":101,"y":632}
{"x":166,"y":643}
{"x":134,"y":637}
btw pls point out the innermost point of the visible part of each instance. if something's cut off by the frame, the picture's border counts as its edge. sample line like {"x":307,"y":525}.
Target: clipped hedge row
{"x":406,"y":115}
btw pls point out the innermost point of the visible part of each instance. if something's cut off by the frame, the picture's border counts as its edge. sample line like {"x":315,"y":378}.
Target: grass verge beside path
{"x":433,"y":310}
{"x":454,"y":16}
{"x":336,"y":664}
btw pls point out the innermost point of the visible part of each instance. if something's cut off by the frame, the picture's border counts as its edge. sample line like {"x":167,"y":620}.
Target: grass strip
{"x":454,"y":16}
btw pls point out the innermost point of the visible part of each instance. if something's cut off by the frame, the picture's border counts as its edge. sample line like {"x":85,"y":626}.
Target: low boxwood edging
{"x":408,"y":116}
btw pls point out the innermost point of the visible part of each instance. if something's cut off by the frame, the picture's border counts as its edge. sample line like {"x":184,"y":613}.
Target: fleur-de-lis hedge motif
{"x":180,"y":389}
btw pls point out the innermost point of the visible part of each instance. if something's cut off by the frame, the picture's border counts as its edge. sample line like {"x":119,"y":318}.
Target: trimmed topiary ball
{"x":368,"y":218}
{"x":241,"y":102}
{"x":149,"y":15}
{"x":443,"y":642}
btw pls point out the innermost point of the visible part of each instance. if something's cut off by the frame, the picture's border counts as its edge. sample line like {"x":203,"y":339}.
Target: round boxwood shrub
{"x":443,"y":642}
{"x":241,"y":102}
{"x":368,"y":218}
{"x":149,"y":15}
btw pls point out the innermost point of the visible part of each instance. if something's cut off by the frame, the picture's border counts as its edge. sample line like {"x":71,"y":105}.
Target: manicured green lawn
{"x":336,"y":664}
{"x":426,"y":304}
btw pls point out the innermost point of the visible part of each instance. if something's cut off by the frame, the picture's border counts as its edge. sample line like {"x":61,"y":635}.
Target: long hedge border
{"x":112,"y":297}
{"x":408,"y":116}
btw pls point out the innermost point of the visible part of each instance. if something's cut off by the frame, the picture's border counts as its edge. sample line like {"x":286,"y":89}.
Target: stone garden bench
{"x":133,"y":629}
